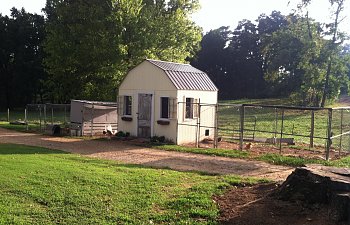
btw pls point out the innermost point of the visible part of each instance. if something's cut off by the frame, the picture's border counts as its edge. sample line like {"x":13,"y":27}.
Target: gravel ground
{"x":126,"y":153}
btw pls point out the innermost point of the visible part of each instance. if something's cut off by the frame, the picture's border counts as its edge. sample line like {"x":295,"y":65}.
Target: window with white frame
{"x":127,"y":105}
{"x":189,"y":108}
{"x":164,"y":107}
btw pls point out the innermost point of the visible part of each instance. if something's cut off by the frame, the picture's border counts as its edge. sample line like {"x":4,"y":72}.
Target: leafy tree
{"x":333,"y":47}
{"x":245,"y":62}
{"x":91,"y":45}
{"x":212,"y":58}
{"x":21,"y":56}
{"x":234,"y":59}
{"x":297,"y":62}
{"x":81,"y":47}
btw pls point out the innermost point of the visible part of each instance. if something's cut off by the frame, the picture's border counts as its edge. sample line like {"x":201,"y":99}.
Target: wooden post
{"x":65,"y":114}
{"x":92,"y":120}
{"x":341,"y":130}
{"x":216,"y":126}
{"x":241,"y":133}
{"x":8,"y":115}
{"x":312,"y":131}
{"x":281,"y":131}
{"x":276,"y":124}
{"x":329,"y":134}
{"x":40,"y":119}
{"x":26,"y":117}
{"x":51,"y":114}
{"x":198,"y":123}
{"x":45,"y":117}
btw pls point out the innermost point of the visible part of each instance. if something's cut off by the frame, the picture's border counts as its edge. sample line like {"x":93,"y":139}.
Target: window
{"x":164,"y":107}
{"x":189,"y":108}
{"x":127,"y":105}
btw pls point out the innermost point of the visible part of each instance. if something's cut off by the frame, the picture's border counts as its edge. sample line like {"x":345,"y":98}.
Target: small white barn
{"x":92,"y":117}
{"x":159,"y":98}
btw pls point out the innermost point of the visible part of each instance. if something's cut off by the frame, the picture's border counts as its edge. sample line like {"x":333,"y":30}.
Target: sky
{"x":216,"y":13}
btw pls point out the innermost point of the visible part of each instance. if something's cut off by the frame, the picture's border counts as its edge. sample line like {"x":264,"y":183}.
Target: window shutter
{"x":172,"y":108}
{"x":121,"y":105}
{"x":195,"y":108}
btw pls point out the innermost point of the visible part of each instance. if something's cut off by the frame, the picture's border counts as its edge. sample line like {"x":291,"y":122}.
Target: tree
{"x":212,"y":58}
{"x":233,"y":59}
{"x":297,"y":62}
{"x":21,"y":55}
{"x":333,"y":45}
{"x":91,"y":45}
{"x":81,"y":47}
{"x":245,"y":62}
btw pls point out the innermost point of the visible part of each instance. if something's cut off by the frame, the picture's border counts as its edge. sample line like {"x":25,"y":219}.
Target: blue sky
{"x":216,"y":13}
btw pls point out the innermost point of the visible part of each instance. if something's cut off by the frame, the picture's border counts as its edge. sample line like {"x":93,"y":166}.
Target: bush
{"x":121,"y":134}
{"x":158,"y":139}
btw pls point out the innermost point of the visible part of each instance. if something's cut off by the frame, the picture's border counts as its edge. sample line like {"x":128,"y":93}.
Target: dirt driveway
{"x":126,"y":153}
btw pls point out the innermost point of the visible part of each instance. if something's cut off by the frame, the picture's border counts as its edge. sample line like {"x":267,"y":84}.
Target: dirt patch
{"x":124,"y":152}
{"x":257,"y":149}
{"x":257,"y":205}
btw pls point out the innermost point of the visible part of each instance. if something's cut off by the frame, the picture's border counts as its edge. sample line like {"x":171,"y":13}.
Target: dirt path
{"x":123,"y":152}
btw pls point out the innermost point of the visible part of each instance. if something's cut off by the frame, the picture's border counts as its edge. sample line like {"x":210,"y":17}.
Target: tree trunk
{"x":315,"y":184}
{"x":326,"y":83}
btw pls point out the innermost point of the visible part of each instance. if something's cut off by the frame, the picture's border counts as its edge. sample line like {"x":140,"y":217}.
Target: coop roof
{"x":185,"y":76}
{"x":95,"y":102}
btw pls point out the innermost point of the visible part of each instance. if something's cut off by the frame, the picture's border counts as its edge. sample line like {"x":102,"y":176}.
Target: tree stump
{"x":315,"y":184}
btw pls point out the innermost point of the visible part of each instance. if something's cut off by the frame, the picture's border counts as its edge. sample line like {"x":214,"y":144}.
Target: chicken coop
{"x":88,"y":118}
{"x":166,"y":99}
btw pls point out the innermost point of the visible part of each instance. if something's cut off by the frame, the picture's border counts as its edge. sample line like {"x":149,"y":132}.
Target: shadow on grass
{"x":8,"y":149}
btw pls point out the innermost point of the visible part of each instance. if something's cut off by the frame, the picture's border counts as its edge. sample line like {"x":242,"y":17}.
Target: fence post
{"x":8,"y":115}
{"x":281,"y":131}
{"x":92,"y":120}
{"x":329,"y":134}
{"x":26,"y":117}
{"x":40,"y":118}
{"x":65,"y":114}
{"x":276,"y":124}
{"x":216,"y":126}
{"x":198,"y":123}
{"x":51,"y":114}
{"x":241,"y":133}
{"x":312,"y":131}
{"x":341,"y":130}
{"x":45,"y":119}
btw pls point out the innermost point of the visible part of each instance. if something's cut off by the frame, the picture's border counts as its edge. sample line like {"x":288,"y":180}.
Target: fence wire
{"x":299,"y":128}
{"x":44,"y":114}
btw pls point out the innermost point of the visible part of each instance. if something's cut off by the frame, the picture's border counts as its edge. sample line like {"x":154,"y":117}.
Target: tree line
{"x":279,"y":56}
{"x":83,"y":49}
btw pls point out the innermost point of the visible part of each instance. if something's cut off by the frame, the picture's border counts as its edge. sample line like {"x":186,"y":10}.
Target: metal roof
{"x":185,"y":76}
{"x":95,"y":102}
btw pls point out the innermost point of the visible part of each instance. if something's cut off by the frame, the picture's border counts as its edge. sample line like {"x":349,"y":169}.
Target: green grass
{"x":263,"y":101}
{"x":271,"y":158}
{"x":297,"y":123}
{"x":41,"y":186}
{"x":34,"y":116}
{"x":22,"y":128}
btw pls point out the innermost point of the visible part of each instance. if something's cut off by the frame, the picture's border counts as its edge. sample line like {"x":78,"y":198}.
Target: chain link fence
{"x":36,"y":117}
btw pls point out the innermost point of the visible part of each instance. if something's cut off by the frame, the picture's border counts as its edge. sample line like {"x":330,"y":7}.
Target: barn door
{"x":144,"y":115}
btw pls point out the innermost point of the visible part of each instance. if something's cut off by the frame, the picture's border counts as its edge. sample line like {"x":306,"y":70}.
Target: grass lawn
{"x":22,"y":128}
{"x":274,"y":158}
{"x":297,"y":123}
{"x":41,"y":186}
